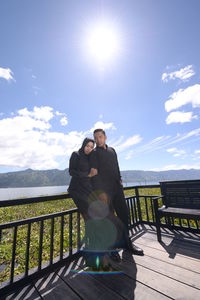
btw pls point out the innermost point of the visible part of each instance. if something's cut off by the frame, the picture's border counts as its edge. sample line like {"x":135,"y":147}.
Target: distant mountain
{"x":152,"y":176}
{"x":33,"y":178}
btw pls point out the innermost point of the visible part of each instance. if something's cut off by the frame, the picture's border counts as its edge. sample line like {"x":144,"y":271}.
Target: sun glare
{"x":102,"y":43}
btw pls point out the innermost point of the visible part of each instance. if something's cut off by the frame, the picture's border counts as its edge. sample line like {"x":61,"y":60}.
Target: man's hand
{"x":93,"y":172}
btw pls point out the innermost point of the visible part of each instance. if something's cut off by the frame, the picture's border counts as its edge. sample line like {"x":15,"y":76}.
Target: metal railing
{"x":68,"y":225}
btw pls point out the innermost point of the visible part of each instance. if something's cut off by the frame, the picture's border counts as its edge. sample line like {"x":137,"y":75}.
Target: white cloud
{"x":136,"y":139}
{"x":180,"y":117}
{"x":163,"y":142}
{"x":44,"y":113}
{"x":114,"y":143}
{"x":63,"y":121}
{"x":59,"y":113}
{"x":190,"y":95}
{"x":102,"y":125}
{"x":27,"y":142}
{"x":182,"y":74}
{"x":6,"y":74}
{"x":177,"y":152}
{"x":196,"y":155}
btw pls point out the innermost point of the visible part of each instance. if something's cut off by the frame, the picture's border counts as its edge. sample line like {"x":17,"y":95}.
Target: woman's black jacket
{"x":79,"y":169}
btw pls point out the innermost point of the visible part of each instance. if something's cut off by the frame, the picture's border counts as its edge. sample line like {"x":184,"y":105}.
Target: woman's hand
{"x":93,"y":172}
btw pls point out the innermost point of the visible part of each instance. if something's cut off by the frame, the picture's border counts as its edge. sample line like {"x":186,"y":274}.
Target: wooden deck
{"x":170,"y":270}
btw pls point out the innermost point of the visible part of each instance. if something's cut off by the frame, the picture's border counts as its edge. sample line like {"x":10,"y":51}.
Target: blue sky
{"x":54,"y":92}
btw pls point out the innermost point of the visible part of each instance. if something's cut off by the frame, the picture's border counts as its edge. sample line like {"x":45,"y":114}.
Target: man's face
{"x":100,"y":138}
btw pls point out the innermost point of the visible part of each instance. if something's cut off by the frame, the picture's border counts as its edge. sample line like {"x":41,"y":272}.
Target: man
{"x":104,"y":163}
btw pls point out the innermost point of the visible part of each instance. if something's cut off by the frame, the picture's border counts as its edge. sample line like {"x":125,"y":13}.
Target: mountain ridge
{"x":56,"y":177}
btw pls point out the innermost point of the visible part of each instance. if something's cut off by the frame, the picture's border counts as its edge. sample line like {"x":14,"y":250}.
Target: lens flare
{"x":97,"y":262}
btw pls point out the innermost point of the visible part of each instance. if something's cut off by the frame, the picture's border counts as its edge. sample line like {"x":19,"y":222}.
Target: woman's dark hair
{"x":99,"y":130}
{"x":85,"y":142}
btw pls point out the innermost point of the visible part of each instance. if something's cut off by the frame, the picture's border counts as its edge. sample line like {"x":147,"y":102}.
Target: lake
{"x":27,"y":192}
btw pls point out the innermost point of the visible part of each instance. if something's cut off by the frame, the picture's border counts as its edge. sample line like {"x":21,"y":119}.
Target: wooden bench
{"x":180,"y":199}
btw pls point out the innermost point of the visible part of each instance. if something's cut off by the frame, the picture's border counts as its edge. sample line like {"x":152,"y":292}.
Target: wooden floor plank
{"x":178,"y":273}
{"x":53,"y":287}
{"x":129,"y":288}
{"x":27,"y":292}
{"x":159,"y":282}
{"x":87,"y":285}
{"x":126,"y":286}
{"x":178,"y":260}
{"x":173,"y":247}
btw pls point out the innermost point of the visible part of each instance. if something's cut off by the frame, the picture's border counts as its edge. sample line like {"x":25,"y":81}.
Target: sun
{"x":102,"y":42}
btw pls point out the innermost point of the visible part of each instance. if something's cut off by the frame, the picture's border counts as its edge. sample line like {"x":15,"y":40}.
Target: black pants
{"x":118,"y":204}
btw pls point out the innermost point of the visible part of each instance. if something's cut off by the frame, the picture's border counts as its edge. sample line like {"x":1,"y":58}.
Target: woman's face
{"x":88,"y":148}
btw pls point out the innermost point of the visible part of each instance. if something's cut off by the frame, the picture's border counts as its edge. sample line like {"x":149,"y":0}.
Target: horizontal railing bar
{"x":5,"y":203}
{"x":141,"y":186}
{"x":150,"y":196}
{"x":36,"y":219}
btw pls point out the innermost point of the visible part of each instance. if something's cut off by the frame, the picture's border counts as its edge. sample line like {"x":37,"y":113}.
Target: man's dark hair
{"x":99,"y":130}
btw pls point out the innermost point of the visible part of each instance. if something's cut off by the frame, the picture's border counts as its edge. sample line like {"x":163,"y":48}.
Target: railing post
{"x":138,"y":204}
{"x":157,"y":219}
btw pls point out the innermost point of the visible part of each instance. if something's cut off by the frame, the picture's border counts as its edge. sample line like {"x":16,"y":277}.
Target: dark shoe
{"x":134,"y":249}
{"x":115,"y":256}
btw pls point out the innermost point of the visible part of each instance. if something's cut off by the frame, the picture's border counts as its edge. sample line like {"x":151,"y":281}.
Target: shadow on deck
{"x":168,"y":270}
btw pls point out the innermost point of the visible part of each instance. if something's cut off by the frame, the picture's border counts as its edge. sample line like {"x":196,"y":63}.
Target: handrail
{"x":30,"y":200}
{"x":36,"y":219}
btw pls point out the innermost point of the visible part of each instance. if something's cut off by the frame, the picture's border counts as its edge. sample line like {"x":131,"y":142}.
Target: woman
{"x":80,"y":187}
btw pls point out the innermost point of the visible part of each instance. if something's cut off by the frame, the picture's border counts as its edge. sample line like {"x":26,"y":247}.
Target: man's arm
{"x":120,"y":177}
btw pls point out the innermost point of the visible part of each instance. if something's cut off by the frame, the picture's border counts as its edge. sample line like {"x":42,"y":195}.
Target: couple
{"x":97,"y":191}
